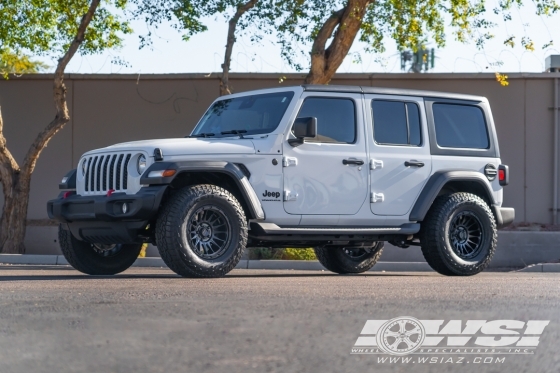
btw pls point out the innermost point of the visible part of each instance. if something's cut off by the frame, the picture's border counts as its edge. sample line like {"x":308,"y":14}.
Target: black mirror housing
{"x":303,"y":128}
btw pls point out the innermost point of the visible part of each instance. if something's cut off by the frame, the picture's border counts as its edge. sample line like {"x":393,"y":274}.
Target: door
{"x":400,"y":161}
{"x":328,"y":175}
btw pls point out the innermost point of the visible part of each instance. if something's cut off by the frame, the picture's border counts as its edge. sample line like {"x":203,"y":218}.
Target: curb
{"x":306,"y":265}
{"x":298,"y":265}
{"x":542,"y":267}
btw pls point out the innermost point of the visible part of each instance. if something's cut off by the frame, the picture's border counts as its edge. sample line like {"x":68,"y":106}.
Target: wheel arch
{"x":230,"y":176}
{"x":444,"y":182}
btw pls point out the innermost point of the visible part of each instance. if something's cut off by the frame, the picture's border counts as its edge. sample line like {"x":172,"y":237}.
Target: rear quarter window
{"x":460,"y":126}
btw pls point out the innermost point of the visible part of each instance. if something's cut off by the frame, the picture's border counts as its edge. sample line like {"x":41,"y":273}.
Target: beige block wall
{"x":107,"y":109}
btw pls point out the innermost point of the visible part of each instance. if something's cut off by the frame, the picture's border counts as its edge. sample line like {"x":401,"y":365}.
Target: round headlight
{"x":84,"y":166}
{"x":141,"y":165}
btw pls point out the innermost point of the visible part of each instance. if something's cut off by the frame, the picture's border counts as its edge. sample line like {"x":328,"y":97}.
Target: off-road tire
{"x":82,"y":256}
{"x":436,"y":241}
{"x":336,"y":260}
{"x":172,"y":238}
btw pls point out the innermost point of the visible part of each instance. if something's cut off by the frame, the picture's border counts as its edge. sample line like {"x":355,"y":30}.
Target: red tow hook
{"x":110,"y":192}
{"x":67,"y":194}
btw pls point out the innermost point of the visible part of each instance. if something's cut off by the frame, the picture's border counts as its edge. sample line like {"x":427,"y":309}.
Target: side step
{"x":271,"y":228}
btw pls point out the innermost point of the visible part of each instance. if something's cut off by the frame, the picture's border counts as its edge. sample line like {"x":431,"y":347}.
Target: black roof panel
{"x":389,"y":91}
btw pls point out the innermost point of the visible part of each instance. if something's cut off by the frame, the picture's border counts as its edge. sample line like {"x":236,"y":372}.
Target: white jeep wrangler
{"x":338,"y":168}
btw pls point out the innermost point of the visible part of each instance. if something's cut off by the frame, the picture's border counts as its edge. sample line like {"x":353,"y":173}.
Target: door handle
{"x":414,"y":164}
{"x":358,"y":162}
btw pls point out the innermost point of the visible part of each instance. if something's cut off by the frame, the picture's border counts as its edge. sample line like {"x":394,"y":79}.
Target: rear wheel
{"x":347,"y":259}
{"x":97,"y":259}
{"x":459,"y":235}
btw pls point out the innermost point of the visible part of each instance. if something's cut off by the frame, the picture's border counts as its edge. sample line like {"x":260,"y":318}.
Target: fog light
{"x":124,"y":208}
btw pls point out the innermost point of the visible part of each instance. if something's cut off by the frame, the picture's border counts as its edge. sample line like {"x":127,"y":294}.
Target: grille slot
{"x":98,"y":174}
{"x":119,"y":172}
{"x":106,"y":172}
{"x":125,"y":176}
{"x":112,"y":173}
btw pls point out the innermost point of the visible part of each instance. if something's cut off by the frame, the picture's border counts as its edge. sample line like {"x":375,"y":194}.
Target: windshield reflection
{"x":244,"y":116}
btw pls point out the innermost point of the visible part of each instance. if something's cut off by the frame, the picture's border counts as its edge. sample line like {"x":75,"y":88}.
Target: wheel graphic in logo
{"x":401,"y":336}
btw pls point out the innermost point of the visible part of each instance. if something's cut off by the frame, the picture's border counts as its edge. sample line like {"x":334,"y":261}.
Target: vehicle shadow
{"x":64,"y":273}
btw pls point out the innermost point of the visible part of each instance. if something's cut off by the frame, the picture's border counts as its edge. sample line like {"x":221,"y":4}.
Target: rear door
{"x":400,"y":160}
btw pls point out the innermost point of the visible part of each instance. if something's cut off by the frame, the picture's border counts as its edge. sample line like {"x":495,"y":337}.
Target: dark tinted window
{"x":336,"y":118}
{"x":460,"y":126}
{"x":256,"y":114}
{"x":396,"y":123}
{"x":413,"y":123}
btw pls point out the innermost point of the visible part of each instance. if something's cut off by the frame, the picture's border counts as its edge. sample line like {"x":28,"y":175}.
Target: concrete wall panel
{"x":540,"y":151}
{"x":118,"y":110}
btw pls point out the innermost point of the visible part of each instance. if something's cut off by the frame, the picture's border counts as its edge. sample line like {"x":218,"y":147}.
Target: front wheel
{"x":97,"y":259}
{"x":349,"y":260}
{"x":201,"y":232}
{"x":459,"y":235}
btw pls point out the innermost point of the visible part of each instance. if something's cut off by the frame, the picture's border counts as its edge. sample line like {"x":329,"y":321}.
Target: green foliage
{"x":13,"y":63}
{"x":265,"y":253}
{"x":299,"y":254}
{"x":186,"y":15}
{"x":410,"y":23}
{"x":47,"y":27}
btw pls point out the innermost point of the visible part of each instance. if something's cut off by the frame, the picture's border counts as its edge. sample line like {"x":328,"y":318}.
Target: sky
{"x":203,"y":53}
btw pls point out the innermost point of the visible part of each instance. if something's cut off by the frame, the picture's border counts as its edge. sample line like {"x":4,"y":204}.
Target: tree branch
{"x":326,"y":31}
{"x":224,"y":82}
{"x":59,"y":92}
{"x":348,"y":28}
{"x":342,"y":26}
{"x":8,"y":164}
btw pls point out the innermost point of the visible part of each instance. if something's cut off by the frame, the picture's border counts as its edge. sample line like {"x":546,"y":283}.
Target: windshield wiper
{"x":235,"y":132}
{"x":203,"y":135}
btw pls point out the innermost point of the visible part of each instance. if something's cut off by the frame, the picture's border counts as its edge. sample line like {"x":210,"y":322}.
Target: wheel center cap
{"x":205,"y":232}
{"x":462,"y":234}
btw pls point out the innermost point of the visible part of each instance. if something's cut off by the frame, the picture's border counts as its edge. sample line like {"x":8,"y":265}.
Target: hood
{"x":184,"y":146}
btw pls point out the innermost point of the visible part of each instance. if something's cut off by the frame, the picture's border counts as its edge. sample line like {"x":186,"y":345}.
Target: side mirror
{"x":303,"y":128}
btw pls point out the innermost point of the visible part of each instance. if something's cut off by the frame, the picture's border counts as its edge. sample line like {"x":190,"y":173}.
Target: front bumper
{"x":504,"y":215}
{"x":100,"y":219}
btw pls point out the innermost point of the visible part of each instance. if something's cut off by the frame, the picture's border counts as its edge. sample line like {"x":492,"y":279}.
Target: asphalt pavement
{"x":53,"y":319}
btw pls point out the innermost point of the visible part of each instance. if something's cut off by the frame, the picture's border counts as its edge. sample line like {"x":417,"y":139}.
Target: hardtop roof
{"x":390,"y":91}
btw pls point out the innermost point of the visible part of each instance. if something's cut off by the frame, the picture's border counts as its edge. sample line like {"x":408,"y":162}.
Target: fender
{"x":437,"y":181}
{"x":68,"y":181}
{"x":230,"y":169}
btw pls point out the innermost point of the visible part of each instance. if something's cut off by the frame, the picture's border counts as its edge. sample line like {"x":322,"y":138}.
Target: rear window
{"x":460,"y":126}
{"x":396,"y":123}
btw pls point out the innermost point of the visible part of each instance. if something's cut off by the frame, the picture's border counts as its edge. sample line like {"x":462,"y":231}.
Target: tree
{"x":242,"y":8}
{"x":331,"y":26}
{"x":186,"y":15}
{"x":56,"y":28}
{"x":17,"y":64}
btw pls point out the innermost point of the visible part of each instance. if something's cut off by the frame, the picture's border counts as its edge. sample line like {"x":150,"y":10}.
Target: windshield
{"x":243,"y":116}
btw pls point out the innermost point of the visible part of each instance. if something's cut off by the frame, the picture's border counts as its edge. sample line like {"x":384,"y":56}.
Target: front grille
{"x":106,"y":172}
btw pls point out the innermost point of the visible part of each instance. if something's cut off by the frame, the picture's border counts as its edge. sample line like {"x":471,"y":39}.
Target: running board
{"x":271,"y":228}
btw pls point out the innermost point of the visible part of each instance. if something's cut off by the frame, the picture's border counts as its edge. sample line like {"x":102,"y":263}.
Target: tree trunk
{"x":14,"y":218}
{"x":225,"y":88}
{"x":16,"y":181}
{"x":342,"y":26}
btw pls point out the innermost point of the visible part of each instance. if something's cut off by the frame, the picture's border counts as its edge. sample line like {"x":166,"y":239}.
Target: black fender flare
{"x":228,"y":168}
{"x":69,"y":180}
{"x":437,"y":181}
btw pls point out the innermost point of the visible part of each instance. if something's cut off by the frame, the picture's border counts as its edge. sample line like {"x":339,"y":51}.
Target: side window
{"x":336,"y":118}
{"x":460,"y":126}
{"x":396,"y":123}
